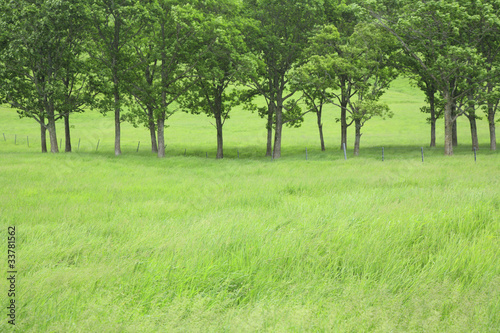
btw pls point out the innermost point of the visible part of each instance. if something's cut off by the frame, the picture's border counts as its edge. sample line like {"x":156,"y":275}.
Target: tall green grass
{"x":139,"y":244}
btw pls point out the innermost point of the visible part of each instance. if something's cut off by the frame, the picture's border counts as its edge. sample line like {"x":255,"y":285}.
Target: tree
{"x":490,"y":50}
{"x":38,"y":56}
{"x":492,"y":103}
{"x":277,"y":39}
{"x":219,"y":68}
{"x":355,"y":74}
{"x":316,"y":85}
{"x":161,"y":61}
{"x":113,"y":26}
{"x":344,"y":16}
{"x":411,"y":68}
{"x":440,"y":29}
{"x":373,"y":75}
{"x":315,"y":98}
{"x":75,"y":75}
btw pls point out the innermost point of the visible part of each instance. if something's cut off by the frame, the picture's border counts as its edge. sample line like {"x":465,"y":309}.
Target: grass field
{"x":193,"y":244}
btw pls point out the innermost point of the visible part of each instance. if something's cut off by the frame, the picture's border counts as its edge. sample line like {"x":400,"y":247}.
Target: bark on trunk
{"x":473,"y":130}
{"x":433,"y":119}
{"x":279,"y":126}
{"x":218,"y":123}
{"x":277,"y":134}
{"x":43,"y":137}
{"x":161,"y":135}
{"x":118,"y":150}
{"x":433,"y":133}
{"x":491,"y":121}
{"x":116,"y":92}
{"x":67,"y":134}
{"x":51,"y":126}
{"x":269,"y":126}
{"x":343,"y":113}
{"x":320,"y":128}
{"x":471,"y":115}
{"x":343,"y":126}
{"x":448,"y":127}
{"x":152,"y":131}
{"x":357,"y":123}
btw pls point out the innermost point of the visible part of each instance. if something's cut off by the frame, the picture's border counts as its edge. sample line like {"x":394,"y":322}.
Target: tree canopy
{"x":145,"y":60}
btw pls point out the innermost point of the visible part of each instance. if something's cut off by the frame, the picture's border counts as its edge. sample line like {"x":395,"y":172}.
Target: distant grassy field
{"x":139,"y":244}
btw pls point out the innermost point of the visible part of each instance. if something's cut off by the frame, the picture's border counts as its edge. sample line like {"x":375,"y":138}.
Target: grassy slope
{"x":188,"y":244}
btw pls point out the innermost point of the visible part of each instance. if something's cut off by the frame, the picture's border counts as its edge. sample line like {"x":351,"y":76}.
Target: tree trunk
{"x":448,"y":126}
{"x":115,"y":51}
{"x":343,"y":126}
{"x":43,"y":130}
{"x":433,"y":119}
{"x":51,"y":126}
{"x":433,"y":133}
{"x":473,"y":130}
{"x":343,"y":113}
{"x":67,"y":134}
{"x":491,"y":122}
{"x":161,"y":135}
{"x":218,"y":123}
{"x":118,"y":150}
{"x":320,"y":128}
{"x":152,"y":131}
{"x":357,"y":123}
{"x":270,"y":116}
{"x":277,"y":134}
{"x":279,"y":124}
{"x":471,"y":115}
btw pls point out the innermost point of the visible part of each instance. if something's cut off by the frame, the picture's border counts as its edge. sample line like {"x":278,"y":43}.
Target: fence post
{"x":97,"y":144}
{"x":138,"y":147}
{"x":422,"y":149}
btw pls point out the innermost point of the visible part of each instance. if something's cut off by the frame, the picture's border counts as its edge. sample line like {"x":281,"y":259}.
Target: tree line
{"x":145,"y":60}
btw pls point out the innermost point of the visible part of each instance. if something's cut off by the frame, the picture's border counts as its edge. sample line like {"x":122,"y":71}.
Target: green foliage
{"x":113,"y":27}
{"x":351,"y":72}
{"x":220,"y":66}
{"x":445,"y":40}
{"x":44,"y":73}
{"x":58,"y":57}
{"x":162,"y":59}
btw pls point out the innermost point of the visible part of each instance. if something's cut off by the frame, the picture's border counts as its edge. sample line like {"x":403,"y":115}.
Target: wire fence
{"x":87,"y":145}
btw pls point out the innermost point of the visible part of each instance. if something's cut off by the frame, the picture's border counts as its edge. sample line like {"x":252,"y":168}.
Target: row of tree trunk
{"x":471,"y":116}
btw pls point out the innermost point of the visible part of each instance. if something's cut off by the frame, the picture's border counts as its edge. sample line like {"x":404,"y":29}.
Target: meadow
{"x":192,"y":244}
